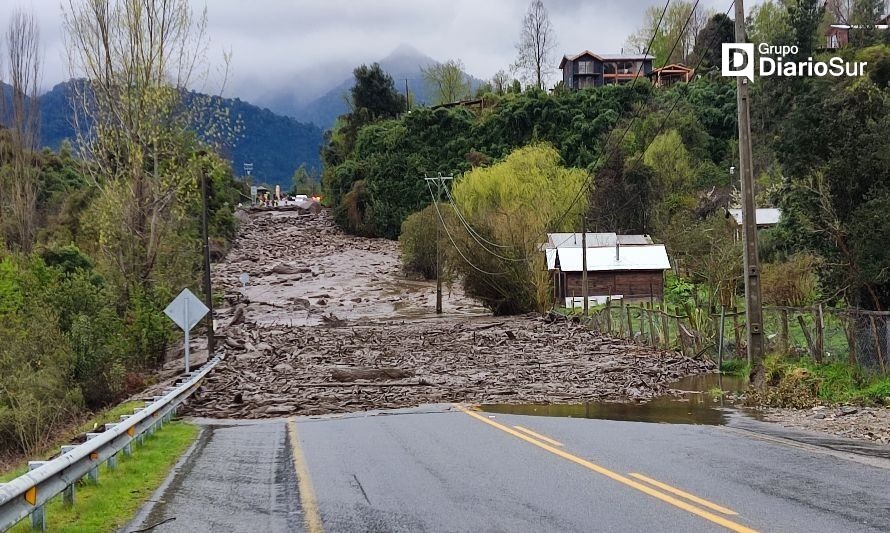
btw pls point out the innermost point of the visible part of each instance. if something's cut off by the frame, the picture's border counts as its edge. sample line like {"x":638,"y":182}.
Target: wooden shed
{"x":630,"y":272}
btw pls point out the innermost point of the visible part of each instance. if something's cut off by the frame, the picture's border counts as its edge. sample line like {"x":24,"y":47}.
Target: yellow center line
{"x":728,"y":524}
{"x":311,"y":517}
{"x":684,"y":494}
{"x":539,"y":436}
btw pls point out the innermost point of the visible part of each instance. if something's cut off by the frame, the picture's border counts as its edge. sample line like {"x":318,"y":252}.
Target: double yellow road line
{"x":644,"y":484}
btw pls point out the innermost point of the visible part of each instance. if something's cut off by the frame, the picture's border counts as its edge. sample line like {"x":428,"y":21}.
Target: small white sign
{"x":186,"y":310}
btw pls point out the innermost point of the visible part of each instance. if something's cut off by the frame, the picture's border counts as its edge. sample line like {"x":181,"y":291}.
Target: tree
{"x":512,"y":203}
{"x":134,"y":127}
{"x":375,"y":92}
{"x":719,"y":29}
{"x":447,"y":80}
{"x":674,"y":39}
{"x":20,"y":183}
{"x":536,"y":44}
{"x":500,"y":82}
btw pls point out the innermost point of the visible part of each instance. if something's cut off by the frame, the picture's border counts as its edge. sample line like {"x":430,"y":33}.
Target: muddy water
{"x":699,"y":403}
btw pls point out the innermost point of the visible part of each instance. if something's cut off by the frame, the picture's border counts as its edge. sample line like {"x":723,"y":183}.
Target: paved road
{"x":442,"y":469}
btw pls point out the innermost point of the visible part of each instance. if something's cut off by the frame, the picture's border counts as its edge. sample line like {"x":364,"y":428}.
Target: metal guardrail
{"x":28,"y":494}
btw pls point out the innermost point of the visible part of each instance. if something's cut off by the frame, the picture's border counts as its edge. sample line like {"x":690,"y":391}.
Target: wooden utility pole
{"x":584,"y":262}
{"x":440,"y":182}
{"x":753,"y":304}
{"x":208,"y":294}
{"x":407,"y":98}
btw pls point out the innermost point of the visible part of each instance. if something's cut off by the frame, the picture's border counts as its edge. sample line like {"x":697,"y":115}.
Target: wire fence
{"x":824,"y":334}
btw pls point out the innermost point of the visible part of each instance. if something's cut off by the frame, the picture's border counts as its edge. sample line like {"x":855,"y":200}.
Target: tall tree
{"x":20,"y":185}
{"x":138,"y":59}
{"x":375,"y":92}
{"x":719,"y":29}
{"x":536,"y":44}
{"x":500,"y":82}
{"x":673,"y":41}
{"x":448,"y":81}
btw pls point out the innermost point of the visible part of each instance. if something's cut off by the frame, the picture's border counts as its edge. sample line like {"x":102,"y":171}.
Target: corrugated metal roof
{"x":765,"y":216}
{"x":648,"y":257}
{"x":595,"y":240}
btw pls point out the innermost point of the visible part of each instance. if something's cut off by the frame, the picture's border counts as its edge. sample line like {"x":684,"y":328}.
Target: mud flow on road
{"x":329,"y":324}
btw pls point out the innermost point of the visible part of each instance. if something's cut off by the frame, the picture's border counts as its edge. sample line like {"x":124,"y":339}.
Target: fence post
{"x":609,"y":315}
{"x":38,"y":515}
{"x":652,"y":338}
{"x":665,"y":331}
{"x":783,"y":335}
{"x":630,"y":324}
{"x":680,"y":333}
{"x":735,"y":331}
{"x":820,"y":334}
{"x":887,"y":337}
{"x":807,"y":336}
{"x":874,"y":332}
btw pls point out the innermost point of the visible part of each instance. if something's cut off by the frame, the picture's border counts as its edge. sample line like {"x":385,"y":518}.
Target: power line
{"x":450,"y":238}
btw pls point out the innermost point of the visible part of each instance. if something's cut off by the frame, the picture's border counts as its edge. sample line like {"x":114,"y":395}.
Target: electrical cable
{"x":450,"y":238}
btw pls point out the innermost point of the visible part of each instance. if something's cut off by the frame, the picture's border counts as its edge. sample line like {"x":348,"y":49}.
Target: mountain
{"x":404,"y":63}
{"x":275,"y":144}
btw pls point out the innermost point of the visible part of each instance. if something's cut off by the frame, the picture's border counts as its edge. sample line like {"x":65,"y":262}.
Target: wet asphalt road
{"x":440,"y":469}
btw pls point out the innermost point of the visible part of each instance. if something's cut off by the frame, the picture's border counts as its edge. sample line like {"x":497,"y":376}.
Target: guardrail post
{"x":93,"y":474}
{"x":38,"y":515}
{"x":68,"y":492}
{"x":128,"y":447}
{"x":112,"y":460}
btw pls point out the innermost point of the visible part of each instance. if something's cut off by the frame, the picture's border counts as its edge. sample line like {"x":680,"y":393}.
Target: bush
{"x":513,"y":204}
{"x":791,"y":283}
{"x":418,"y":242}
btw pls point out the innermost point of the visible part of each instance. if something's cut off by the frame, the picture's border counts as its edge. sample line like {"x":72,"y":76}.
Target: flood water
{"x":699,"y":405}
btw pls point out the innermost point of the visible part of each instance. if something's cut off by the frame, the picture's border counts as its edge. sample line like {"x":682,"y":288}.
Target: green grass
{"x":838,"y":382}
{"x":735,"y":367}
{"x":114,"y":501}
{"x":101,"y":418}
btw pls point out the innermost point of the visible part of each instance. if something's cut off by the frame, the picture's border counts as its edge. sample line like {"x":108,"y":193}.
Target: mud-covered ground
{"x":329,"y":324}
{"x":854,"y":422}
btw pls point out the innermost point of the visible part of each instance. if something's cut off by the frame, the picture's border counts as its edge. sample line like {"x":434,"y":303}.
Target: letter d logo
{"x":738,"y":60}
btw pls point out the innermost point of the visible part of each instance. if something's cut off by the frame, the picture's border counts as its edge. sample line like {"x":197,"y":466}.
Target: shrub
{"x":513,"y":204}
{"x":418,"y":241}
{"x":791,"y":283}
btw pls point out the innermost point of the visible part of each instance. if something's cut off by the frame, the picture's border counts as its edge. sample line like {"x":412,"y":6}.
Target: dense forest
{"x":276,"y":145}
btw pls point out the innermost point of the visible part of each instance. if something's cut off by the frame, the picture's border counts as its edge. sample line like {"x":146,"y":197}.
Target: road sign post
{"x":186,"y":310}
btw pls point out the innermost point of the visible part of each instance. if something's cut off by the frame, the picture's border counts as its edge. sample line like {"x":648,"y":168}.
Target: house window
{"x":585,"y":67}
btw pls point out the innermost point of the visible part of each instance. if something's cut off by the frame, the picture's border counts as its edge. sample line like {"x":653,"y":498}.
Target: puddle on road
{"x":697,"y":406}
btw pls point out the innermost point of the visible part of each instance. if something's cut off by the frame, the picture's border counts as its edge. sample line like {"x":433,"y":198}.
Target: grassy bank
{"x":802,"y":383}
{"x":120,"y":492}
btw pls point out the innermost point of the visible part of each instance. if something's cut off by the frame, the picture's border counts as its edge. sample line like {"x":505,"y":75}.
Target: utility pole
{"x":753,"y":309}
{"x":407,"y":98}
{"x":440,"y":183}
{"x":584,"y":261}
{"x":208,"y":294}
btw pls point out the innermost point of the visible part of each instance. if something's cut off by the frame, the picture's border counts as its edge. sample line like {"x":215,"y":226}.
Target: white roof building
{"x":613,"y":258}
{"x":765,"y":216}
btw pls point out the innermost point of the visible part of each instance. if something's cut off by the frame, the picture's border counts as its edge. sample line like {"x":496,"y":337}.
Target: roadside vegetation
{"x":95,"y":239}
{"x":110,"y":504}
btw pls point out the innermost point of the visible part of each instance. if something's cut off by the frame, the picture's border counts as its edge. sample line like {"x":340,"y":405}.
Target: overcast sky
{"x":309,"y":44}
